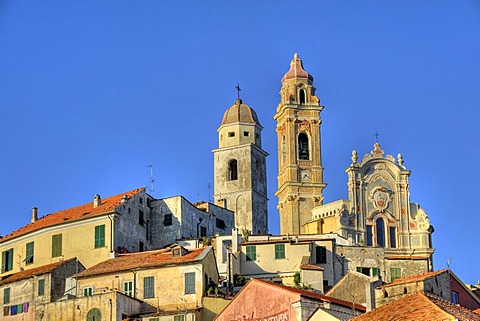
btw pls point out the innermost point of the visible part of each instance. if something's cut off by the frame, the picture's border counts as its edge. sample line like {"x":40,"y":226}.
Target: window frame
{"x":251,"y":253}
{"x":57,"y":241}
{"x":41,"y":287}
{"x":128,"y":290}
{"x":87,"y":291}
{"x":148,"y":287}
{"x":99,"y":240}
{"x":189,"y":283}
{"x":280,"y":251}
{"x":29,"y":252}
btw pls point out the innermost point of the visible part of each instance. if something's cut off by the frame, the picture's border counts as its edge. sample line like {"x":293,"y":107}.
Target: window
{"x":395,"y":273}
{"x":41,"y":287}
{"x":321,"y":254}
{"x":7,"y":260}
{"x":140,"y":200}
{"x":6,"y":296}
{"x":232,"y":170}
{"x":251,"y":252}
{"x":179,"y":318}
{"x":246,"y":134}
{"x":368,"y":271}
{"x":128,"y":288}
{"x":279,"y":251}
{"x":220,"y":224}
{"x":141,"y":220}
{"x":99,"y":236}
{"x":369,"y":236}
{"x":393,"y":238}
{"x":29,"y":253}
{"x":231,"y":134}
{"x":190,"y":283}
{"x":94,"y":315}
{"x":454,"y":297}
{"x":148,"y":287}
{"x":203,"y":231}
{"x":88,"y":291}
{"x":56,"y":245}
{"x":154,"y":319}
{"x":302,"y":96}
{"x":303,"y":152}
{"x":140,"y":246}
{"x":167,"y":220}
{"x":380,"y":229}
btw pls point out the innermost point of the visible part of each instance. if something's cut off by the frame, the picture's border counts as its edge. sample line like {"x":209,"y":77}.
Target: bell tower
{"x":300,"y":171}
{"x":240,"y":182}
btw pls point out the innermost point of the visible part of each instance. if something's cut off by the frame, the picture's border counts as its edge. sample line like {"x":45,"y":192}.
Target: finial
{"x":295,"y":56}
{"x":238,"y":90}
{"x":377,"y":151}
{"x":400,"y":159}
{"x":376,"y":136}
{"x":354,"y":156}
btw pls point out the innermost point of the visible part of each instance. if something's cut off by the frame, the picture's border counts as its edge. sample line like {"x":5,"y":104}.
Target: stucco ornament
{"x":422,"y":219}
{"x":354,"y":156}
{"x":380,"y":197}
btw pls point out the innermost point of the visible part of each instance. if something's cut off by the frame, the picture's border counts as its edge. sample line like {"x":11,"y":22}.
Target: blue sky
{"x":93,"y":91}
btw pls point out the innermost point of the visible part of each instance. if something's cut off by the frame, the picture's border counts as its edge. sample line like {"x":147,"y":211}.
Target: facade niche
{"x":232,"y":170}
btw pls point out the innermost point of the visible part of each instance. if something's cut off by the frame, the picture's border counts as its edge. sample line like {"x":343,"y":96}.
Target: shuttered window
{"x":6,"y":296}
{"x":29,"y":253}
{"x":149,"y":287}
{"x":128,"y":288}
{"x":251,"y":252}
{"x":7,"y":260}
{"x":279,"y":251}
{"x":395,"y":273}
{"x":321,"y":254}
{"x":41,"y":287}
{"x":56,"y":245}
{"x":99,"y":236}
{"x":190,"y":283}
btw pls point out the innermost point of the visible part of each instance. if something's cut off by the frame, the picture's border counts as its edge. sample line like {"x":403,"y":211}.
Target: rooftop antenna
{"x":238,"y":90}
{"x":209,"y":192}
{"x":151,"y":189}
{"x":449,"y":261}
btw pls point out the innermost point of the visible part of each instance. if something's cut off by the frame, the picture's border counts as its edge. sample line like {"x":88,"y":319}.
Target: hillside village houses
{"x":131,"y":256}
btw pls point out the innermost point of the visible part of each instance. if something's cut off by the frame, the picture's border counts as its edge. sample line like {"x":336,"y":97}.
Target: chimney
{"x":97,"y":201}
{"x":34,"y":214}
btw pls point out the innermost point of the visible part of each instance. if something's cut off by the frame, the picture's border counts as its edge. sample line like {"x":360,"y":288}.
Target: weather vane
{"x":238,"y":90}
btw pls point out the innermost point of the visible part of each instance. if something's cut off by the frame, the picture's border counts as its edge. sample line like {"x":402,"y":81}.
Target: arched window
{"x":303,"y":152}
{"x":232,"y":170}
{"x":393,"y":237}
{"x":94,"y":315}
{"x":380,"y":231}
{"x":302,"y":96}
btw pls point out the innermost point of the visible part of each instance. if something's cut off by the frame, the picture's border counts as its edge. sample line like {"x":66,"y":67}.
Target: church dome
{"x":239,"y":113}
{"x":296,"y":70}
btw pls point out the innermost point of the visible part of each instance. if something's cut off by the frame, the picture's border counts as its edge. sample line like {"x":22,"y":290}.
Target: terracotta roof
{"x":419,"y":306}
{"x":296,"y":70}
{"x":311,"y":267}
{"x":32,"y":272}
{"x":139,"y":260}
{"x":108,"y":205}
{"x":415,"y":278}
{"x":240,"y":112}
{"x":313,"y":295}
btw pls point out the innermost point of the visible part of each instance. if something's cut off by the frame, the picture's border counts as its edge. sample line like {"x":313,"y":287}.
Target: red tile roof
{"x":141,"y":260}
{"x":108,"y":205}
{"x":415,"y":278}
{"x":419,"y":306}
{"x":310,"y":267}
{"x":313,"y":295}
{"x":32,"y":272}
{"x":477,"y":311}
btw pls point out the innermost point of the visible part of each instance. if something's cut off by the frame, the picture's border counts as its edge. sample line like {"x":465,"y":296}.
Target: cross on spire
{"x":238,"y":90}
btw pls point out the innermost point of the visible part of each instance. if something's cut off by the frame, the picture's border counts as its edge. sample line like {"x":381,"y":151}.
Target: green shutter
{"x":374,"y":271}
{"x":251,"y":253}
{"x":179,"y":318}
{"x":10,"y":260}
{"x":279,"y":251}
{"x":395,"y":273}
{"x":41,"y":287}
{"x":99,"y":236}
{"x":4,"y":261}
{"x":56,"y":245}
{"x":29,"y":253}
{"x":6,"y":296}
{"x":149,"y":287}
{"x":190,"y":283}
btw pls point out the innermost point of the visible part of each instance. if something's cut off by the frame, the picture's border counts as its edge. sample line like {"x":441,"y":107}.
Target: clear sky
{"x":93,"y":91}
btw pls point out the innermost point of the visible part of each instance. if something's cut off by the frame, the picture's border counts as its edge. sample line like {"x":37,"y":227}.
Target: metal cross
{"x":376,"y":136}
{"x":238,"y":90}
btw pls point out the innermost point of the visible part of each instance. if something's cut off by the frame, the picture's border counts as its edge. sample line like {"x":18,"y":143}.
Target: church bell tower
{"x":240,"y":182}
{"x":300,"y":171}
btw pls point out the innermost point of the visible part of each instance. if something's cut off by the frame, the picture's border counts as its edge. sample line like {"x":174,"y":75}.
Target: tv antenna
{"x":151,"y":189}
{"x":449,"y":261}
{"x":209,"y":192}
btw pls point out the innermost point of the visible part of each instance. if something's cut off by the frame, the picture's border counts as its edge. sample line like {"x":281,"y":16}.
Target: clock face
{"x":305,"y":175}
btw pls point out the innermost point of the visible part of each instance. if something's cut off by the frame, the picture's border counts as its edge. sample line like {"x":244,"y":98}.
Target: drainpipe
{"x":111,"y":217}
{"x":134,"y":284}
{"x":111,"y":309}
